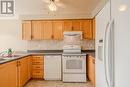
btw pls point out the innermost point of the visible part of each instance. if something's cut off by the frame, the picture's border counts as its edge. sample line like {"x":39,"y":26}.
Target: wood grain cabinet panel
{"x":76,"y":25}
{"x":91,"y":69}
{"x":48,"y":30}
{"x":37,"y":30}
{"x":67,"y":25}
{"x":47,"y":33}
{"x":8,"y":74}
{"x":37,"y":67}
{"x":58,"y":30}
{"x":94,"y":29}
{"x":29,"y":59}
{"x":87,"y":29}
{"x":23,"y":71}
{"x":26,"y":30}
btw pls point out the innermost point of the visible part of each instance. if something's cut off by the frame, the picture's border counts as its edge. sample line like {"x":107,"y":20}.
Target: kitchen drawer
{"x":37,"y":63}
{"x":37,"y":60}
{"x":37,"y":67}
{"x":37,"y":72}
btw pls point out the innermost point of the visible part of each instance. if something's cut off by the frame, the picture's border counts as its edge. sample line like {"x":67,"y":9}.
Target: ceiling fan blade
{"x":57,"y":0}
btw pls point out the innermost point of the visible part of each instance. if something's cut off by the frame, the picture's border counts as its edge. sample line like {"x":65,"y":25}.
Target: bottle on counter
{"x":9,"y":52}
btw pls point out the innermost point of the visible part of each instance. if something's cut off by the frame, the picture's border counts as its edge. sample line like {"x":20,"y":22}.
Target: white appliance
{"x":73,"y":61}
{"x":72,"y":49}
{"x":72,"y":37}
{"x":74,"y":67}
{"x":74,"y":64}
{"x":52,"y":67}
{"x":113,"y":44}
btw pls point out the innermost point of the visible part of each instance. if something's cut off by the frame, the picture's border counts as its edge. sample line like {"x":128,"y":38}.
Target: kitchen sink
{"x":1,"y":59}
{"x":8,"y":58}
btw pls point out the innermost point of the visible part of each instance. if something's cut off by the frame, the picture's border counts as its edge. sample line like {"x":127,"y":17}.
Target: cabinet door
{"x":47,"y":30}
{"x":94,"y":29}
{"x":29,"y":59}
{"x":8,"y":74}
{"x":77,"y":25}
{"x":58,"y":30}
{"x":91,"y":69}
{"x":87,"y":29}
{"x":26,"y":30}
{"x":67,"y":25}
{"x":3,"y":76}
{"x":37,"y":30}
{"x":12,"y":74}
{"x":23,"y":71}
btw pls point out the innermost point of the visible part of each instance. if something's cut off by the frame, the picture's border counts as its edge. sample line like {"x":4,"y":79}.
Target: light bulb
{"x":52,"y":6}
{"x":122,"y":8}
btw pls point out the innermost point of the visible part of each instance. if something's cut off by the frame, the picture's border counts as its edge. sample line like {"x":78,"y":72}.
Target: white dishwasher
{"x":52,"y":67}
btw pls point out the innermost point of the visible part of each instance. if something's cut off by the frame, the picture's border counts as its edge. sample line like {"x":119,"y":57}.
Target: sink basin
{"x":16,"y":55}
{"x":8,"y":58}
{"x":2,"y":59}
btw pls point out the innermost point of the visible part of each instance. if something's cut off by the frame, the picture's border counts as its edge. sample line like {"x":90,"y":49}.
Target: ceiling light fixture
{"x":122,"y":8}
{"x":52,"y":6}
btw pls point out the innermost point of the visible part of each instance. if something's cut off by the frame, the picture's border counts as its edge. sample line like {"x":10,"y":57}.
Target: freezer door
{"x":102,"y":23}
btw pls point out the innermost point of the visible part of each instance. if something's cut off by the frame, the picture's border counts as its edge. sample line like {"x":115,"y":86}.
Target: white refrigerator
{"x":113,"y":44}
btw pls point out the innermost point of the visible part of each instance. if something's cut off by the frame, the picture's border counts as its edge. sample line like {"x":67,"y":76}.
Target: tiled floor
{"x":40,"y":83}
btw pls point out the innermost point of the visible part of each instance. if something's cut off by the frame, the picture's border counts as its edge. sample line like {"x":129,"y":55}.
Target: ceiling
{"x":76,"y":8}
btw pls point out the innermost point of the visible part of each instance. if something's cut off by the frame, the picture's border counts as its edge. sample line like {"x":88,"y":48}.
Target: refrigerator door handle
{"x":106,"y":65}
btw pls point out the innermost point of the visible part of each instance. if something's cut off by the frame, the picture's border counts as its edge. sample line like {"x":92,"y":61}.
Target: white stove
{"x":74,"y":64}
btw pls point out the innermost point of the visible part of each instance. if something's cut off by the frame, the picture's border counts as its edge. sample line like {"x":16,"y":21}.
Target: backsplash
{"x":58,"y":45}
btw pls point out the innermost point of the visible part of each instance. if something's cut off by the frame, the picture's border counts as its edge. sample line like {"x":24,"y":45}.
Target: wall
{"x":10,"y":35}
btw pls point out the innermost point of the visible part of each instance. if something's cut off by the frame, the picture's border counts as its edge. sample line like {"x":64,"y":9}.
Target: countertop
{"x":9,"y":59}
{"x":20,"y":55}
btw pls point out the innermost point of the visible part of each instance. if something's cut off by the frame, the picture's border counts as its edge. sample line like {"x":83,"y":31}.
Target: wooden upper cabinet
{"x":58,"y":30}
{"x":26,"y":30}
{"x":94,"y":29}
{"x":37,"y":30}
{"x":67,"y":25}
{"x":76,"y":25}
{"x":87,"y":29}
{"x":47,"y":30}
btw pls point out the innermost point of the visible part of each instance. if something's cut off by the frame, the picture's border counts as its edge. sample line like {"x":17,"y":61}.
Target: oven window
{"x":73,"y":64}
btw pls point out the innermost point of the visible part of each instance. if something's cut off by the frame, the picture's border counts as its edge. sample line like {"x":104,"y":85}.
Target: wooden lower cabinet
{"x":8,"y":74}
{"x":37,"y":67}
{"x":24,"y":70}
{"x":91,"y":69}
{"x":16,"y":73}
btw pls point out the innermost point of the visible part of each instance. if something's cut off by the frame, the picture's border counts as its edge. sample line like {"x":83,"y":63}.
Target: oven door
{"x":74,"y":64}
